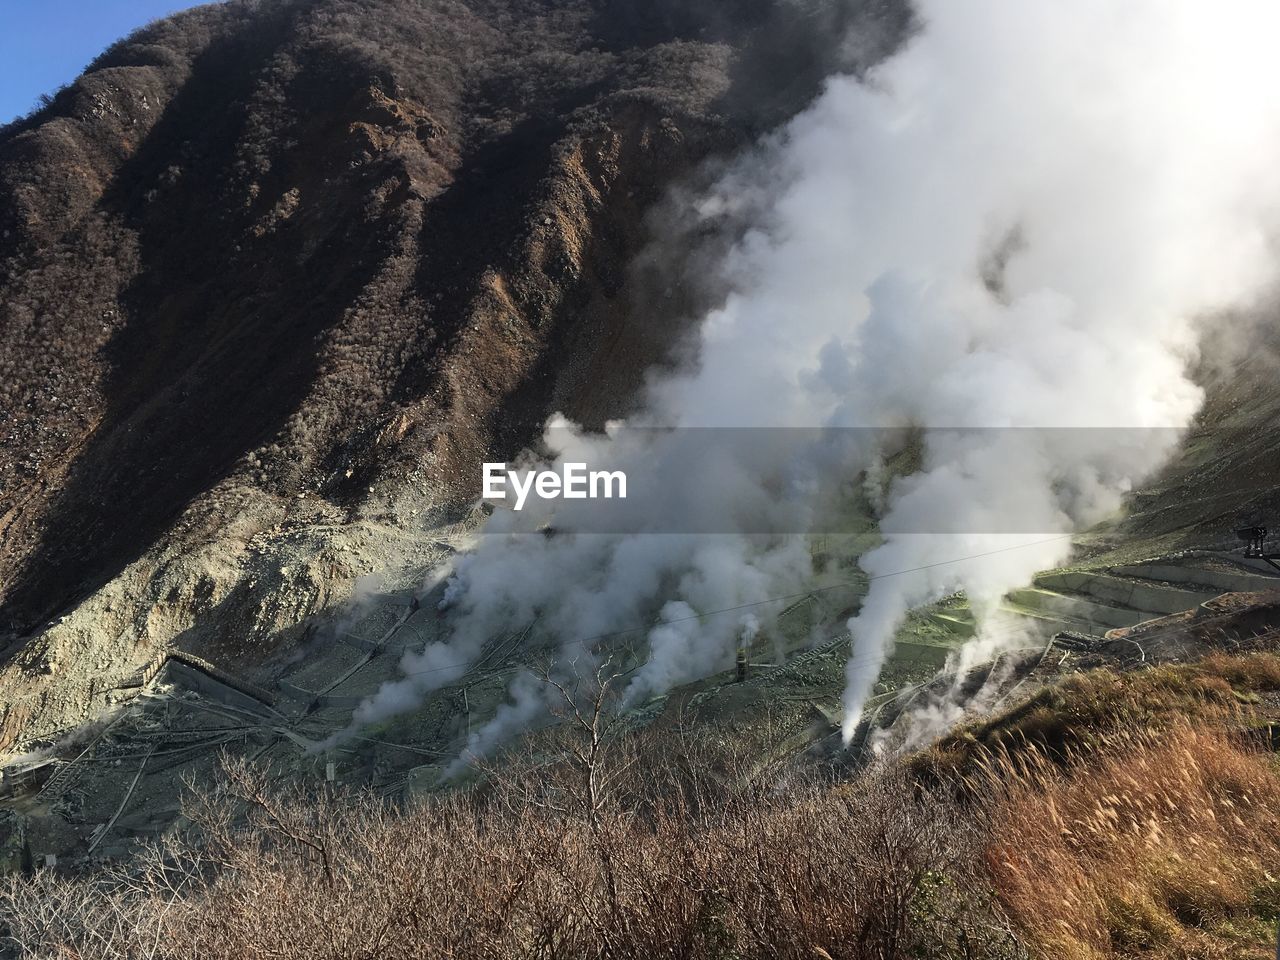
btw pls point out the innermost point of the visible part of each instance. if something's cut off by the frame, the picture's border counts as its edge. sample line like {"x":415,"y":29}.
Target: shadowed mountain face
{"x":345,"y":248}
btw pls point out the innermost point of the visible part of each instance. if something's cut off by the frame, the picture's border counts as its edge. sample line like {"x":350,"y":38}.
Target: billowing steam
{"x":1022,"y":222}
{"x":1103,"y":163}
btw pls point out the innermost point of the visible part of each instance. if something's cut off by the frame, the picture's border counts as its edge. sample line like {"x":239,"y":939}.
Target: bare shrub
{"x":120,"y":914}
{"x":658,"y":865}
{"x":593,"y":842}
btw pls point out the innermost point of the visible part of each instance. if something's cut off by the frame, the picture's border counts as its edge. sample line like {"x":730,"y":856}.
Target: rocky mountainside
{"x":282,"y":272}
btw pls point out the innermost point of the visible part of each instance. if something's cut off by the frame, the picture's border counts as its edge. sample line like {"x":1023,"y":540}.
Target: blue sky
{"x":46,"y":43}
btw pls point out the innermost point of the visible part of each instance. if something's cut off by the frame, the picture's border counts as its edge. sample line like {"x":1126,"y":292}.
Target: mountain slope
{"x":269,"y":266}
{"x":303,"y":246}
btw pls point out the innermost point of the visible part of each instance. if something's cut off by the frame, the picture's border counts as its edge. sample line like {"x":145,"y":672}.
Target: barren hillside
{"x":338,"y":249}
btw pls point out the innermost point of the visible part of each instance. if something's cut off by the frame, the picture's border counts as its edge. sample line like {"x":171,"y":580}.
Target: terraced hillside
{"x":122,"y":781}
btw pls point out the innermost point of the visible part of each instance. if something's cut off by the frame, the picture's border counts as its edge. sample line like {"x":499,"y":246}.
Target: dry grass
{"x":1150,"y":841}
{"x":1160,"y":847}
{"x":1087,"y":710}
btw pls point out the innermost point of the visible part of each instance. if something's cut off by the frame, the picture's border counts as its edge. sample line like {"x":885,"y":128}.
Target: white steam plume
{"x":1106,"y":164}
{"x":1021,"y":220}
